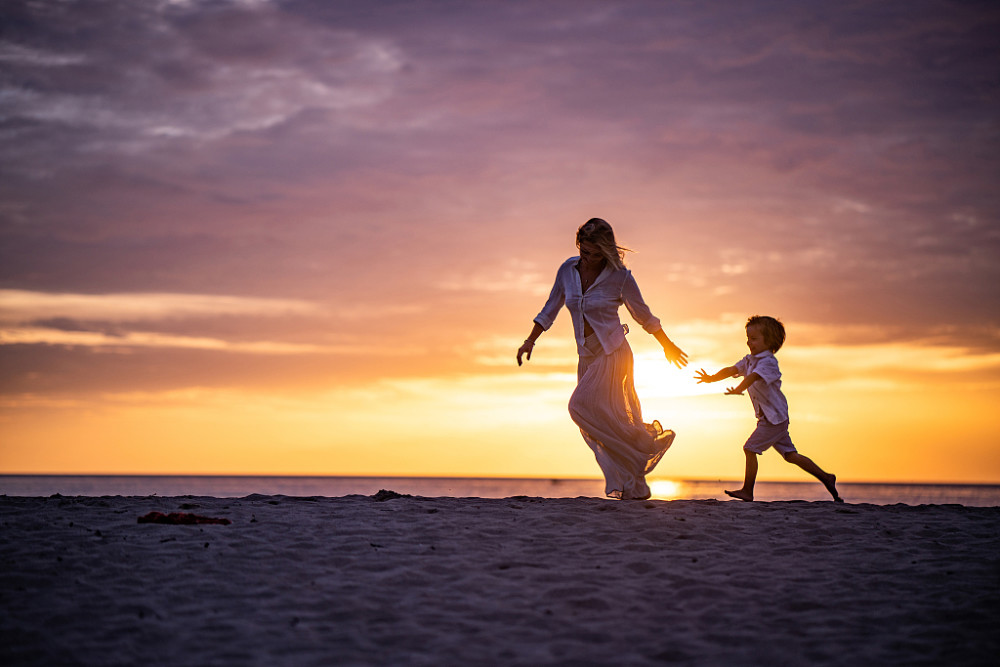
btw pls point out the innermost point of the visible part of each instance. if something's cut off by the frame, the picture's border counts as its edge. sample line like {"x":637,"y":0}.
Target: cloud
{"x":22,"y":305}
{"x":195,"y":71}
{"x":518,"y":276}
{"x":198,"y":321}
{"x":48,"y":336}
{"x":896,"y":358}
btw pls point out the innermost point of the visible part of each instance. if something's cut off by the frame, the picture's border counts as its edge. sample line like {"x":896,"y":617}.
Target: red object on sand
{"x":180,"y":518}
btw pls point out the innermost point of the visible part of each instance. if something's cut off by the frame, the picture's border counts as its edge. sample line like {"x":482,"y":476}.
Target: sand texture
{"x":376,"y":580}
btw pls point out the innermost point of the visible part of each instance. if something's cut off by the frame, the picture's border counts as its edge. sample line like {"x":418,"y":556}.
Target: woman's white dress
{"x":604,"y":404}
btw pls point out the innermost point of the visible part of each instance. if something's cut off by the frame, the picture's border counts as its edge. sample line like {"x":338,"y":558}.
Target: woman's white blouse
{"x":599,"y":305}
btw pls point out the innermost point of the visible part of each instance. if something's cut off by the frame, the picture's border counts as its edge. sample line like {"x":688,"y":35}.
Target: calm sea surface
{"x":978,"y":495}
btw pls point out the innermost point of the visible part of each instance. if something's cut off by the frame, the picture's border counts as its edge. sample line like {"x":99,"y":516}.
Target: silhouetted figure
{"x":593,"y":286}
{"x":762,"y":379}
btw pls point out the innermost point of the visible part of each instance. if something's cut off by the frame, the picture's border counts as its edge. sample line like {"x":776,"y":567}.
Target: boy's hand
{"x":733,"y":391}
{"x":702,"y":377}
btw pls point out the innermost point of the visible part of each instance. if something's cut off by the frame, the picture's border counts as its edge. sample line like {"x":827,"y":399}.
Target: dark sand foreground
{"x":518,"y":581}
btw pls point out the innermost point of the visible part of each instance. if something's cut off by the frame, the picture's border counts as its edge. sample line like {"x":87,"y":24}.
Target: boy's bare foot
{"x":741,"y":495}
{"x":831,"y":485}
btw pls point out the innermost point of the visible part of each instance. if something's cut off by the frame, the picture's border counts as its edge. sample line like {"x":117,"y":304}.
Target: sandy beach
{"x":380,"y":580}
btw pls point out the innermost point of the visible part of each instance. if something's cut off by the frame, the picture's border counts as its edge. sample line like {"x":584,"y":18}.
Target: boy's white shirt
{"x":765,"y":394}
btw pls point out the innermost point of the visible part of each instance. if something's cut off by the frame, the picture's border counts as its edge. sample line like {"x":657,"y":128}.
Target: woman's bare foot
{"x":830,"y":482}
{"x":741,"y":495}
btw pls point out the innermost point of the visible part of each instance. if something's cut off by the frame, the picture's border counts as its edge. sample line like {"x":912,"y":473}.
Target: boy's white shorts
{"x":768,"y":435}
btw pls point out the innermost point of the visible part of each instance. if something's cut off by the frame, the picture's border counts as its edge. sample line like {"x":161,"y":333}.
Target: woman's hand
{"x":525,"y":349}
{"x":529,"y":343}
{"x":675,"y":355}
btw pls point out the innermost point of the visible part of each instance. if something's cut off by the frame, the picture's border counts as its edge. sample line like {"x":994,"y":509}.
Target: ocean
{"x":973,"y":495}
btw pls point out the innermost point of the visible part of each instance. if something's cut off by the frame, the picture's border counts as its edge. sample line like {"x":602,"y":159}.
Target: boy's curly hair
{"x":772,"y":330}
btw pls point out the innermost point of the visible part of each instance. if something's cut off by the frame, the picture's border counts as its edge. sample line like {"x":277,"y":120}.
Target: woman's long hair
{"x":598,"y":232}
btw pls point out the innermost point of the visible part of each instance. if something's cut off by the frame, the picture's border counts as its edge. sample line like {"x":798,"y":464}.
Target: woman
{"x":605,"y":406}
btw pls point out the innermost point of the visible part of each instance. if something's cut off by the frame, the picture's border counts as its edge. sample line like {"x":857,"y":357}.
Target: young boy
{"x":762,"y":378}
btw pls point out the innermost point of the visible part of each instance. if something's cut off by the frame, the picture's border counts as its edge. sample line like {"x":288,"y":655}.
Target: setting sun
{"x":665,"y":489}
{"x":655,"y":378}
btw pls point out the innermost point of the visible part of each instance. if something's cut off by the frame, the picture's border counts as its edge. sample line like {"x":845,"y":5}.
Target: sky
{"x":283,"y":237}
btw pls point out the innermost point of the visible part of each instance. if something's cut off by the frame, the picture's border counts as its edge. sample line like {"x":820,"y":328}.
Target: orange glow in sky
{"x":862,"y":410}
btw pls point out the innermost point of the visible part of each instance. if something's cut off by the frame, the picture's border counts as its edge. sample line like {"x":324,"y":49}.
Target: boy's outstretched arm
{"x":701,"y":376}
{"x":743,"y":386}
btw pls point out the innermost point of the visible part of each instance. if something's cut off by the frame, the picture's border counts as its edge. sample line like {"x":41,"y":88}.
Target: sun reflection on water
{"x":666,"y":489}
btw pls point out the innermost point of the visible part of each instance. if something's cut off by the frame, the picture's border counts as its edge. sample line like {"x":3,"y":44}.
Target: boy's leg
{"x":749,"y":479}
{"x":829,"y":480}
